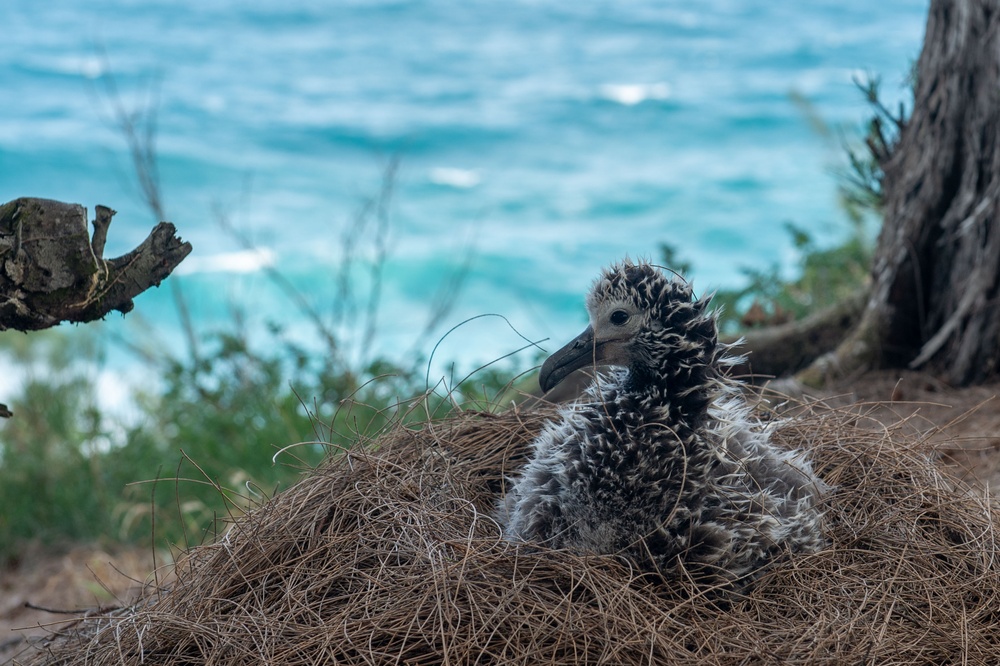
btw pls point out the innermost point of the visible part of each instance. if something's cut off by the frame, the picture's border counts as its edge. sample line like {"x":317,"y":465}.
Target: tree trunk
{"x":934,"y":302}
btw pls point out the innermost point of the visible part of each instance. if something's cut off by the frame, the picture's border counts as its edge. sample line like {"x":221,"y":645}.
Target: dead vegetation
{"x":388,"y":554}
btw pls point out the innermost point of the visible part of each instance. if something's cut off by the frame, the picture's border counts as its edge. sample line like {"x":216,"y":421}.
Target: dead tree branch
{"x":52,"y":270}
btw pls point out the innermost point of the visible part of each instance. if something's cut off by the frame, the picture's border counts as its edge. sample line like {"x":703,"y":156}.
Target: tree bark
{"x":934,"y":301}
{"x":51,"y":270}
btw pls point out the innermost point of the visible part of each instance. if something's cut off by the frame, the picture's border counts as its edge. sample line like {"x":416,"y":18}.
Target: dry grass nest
{"x":388,"y":554}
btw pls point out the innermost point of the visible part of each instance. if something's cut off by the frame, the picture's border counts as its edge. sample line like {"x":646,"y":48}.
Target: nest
{"x":389,"y":554}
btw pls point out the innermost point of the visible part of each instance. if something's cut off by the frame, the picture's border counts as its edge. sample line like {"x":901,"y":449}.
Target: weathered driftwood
{"x":52,"y":270}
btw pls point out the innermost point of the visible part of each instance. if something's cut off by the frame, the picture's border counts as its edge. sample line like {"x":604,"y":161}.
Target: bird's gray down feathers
{"x":661,"y":461}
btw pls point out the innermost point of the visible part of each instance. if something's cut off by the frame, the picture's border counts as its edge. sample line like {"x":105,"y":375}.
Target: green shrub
{"x":824,"y":277}
{"x":216,"y":434}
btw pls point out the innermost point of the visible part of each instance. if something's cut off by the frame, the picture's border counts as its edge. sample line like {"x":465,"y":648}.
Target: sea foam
{"x":630,"y":94}
{"x":243,"y":261}
{"x":462,"y":179}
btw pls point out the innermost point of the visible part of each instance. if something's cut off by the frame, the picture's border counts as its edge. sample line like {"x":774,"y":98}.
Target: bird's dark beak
{"x":578,"y":353}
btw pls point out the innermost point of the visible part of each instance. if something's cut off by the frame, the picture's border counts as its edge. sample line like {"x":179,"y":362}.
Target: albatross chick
{"x":660,"y":461}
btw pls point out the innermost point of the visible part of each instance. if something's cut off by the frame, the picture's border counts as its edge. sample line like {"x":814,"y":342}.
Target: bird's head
{"x":648,"y":322}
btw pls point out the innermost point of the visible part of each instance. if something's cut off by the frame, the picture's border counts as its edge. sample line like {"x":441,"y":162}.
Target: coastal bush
{"x":207,"y":439}
{"x":824,"y":276}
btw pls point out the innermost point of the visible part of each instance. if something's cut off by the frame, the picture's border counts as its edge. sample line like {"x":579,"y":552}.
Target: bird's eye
{"x":619,"y":317}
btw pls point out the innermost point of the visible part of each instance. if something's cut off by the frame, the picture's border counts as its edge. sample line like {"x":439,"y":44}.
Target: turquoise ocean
{"x":533,"y":141}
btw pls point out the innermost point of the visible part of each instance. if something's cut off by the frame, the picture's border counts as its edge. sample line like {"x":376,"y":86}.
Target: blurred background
{"x":359,"y":177}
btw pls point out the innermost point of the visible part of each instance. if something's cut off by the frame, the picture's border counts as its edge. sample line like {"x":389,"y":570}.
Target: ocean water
{"x":534,"y":142}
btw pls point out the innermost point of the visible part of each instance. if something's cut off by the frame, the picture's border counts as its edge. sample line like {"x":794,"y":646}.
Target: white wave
{"x":462,"y":179}
{"x":630,"y":94}
{"x":91,"y":67}
{"x":213,"y":103}
{"x":244,"y":261}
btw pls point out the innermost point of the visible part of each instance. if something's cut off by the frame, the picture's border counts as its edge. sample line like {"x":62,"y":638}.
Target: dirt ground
{"x":45,"y":590}
{"x":963,"y":425}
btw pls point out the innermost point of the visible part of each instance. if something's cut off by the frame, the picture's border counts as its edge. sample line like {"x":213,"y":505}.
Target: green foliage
{"x":216,"y":420}
{"x":217,"y":434}
{"x":51,"y":488}
{"x":825,"y":277}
